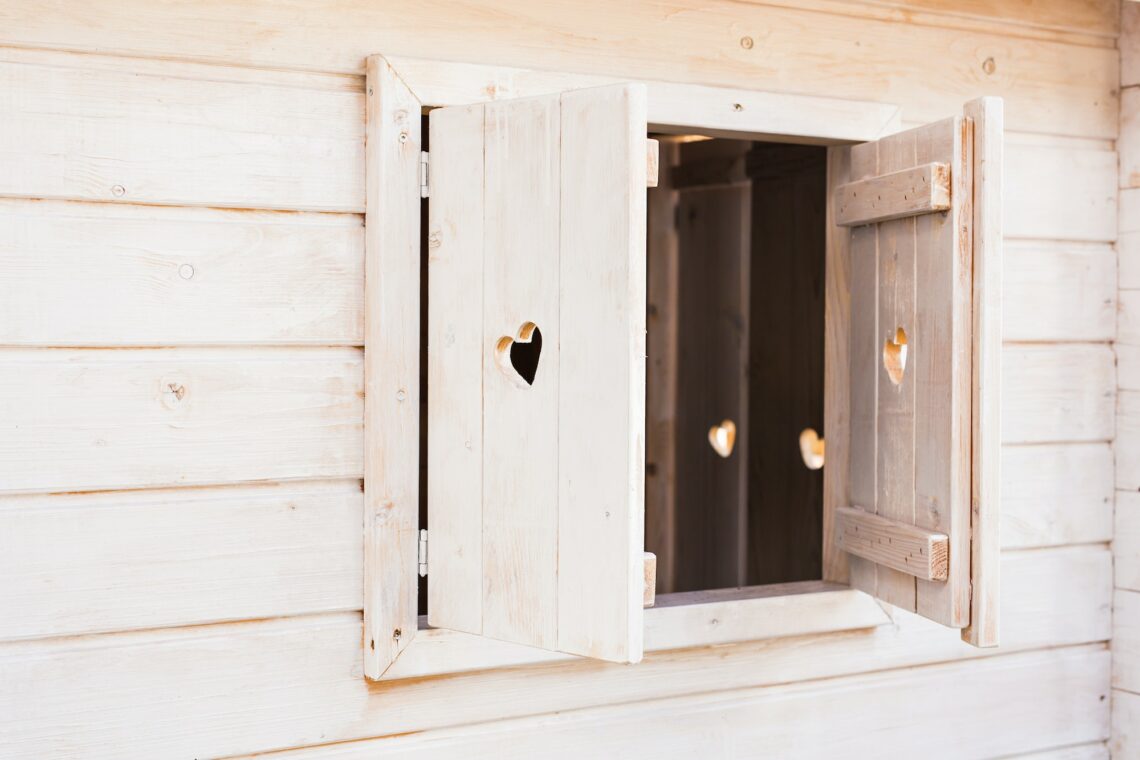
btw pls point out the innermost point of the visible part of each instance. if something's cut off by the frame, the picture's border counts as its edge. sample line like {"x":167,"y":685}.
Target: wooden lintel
{"x":919,"y":190}
{"x":907,"y":548}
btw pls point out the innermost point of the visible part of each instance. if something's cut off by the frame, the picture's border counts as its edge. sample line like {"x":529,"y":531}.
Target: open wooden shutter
{"x":923,"y":211}
{"x":536,"y":250}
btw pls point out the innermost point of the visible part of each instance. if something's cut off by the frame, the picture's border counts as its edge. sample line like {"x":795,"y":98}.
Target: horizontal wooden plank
{"x":683,"y":620}
{"x":1009,"y":704}
{"x":907,"y":548}
{"x":106,"y":419}
{"x":1054,"y":291}
{"x":1054,"y":393}
{"x":141,"y":559}
{"x":910,"y":192}
{"x":1053,"y":495}
{"x":72,"y":131}
{"x":1094,"y":751}
{"x":1067,"y":89}
{"x":1125,"y":722}
{"x":85,"y":274}
{"x":1127,"y":444}
{"x":1126,"y":640}
{"x":1057,"y":494}
{"x":1060,"y":192}
{"x":234,"y":696}
{"x":1128,"y":243}
{"x":1128,"y":144}
{"x":1126,"y":541}
{"x":1128,"y":339}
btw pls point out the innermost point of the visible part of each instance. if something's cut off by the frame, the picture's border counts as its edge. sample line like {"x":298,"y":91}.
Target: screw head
{"x":737,"y":107}
{"x":401,"y":395}
{"x":186,"y":271}
{"x":746,"y":43}
{"x":403,"y":137}
{"x":118,"y":191}
{"x":989,"y":65}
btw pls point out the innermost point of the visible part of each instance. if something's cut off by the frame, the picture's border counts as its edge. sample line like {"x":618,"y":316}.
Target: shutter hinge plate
{"x":423,"y":553}
{"x":424,"y":174}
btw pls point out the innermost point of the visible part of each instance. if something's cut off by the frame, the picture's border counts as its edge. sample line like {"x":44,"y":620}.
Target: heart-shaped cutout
{"x":894,"y":356}
{"x":518,"y":356}
{"x":811,"y":449}
{"x":722,"y":437}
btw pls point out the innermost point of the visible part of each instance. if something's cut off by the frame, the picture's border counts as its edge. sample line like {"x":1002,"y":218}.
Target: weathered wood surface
{"x":901,"y":546}
{"x":918,"y":190}
{"x":235,"y":699}
{"x":1070,"y":88}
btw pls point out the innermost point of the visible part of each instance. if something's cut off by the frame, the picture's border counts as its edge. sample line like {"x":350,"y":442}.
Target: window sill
{"x":678,"y":621}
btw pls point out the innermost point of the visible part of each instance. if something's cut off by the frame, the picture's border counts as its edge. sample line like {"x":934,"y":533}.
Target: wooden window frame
{"x":397,"y":642}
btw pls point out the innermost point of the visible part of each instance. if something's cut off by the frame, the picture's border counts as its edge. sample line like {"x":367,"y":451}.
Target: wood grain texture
{"x":153,"y":276}
{"x":1125,"y":721}
{"x":1067,"y":692}
{"x":1058,"y":292}
{"x":890,"y":543}
{"x":1127,"y":442}
{"x":987,"y":159}
{"x":1037,"y":206}
{"x":1128,"y":144}
{"x":78,"y":132}
{"x":391,"y":367}
{"x":1055,"y":494}
{"x":456,"y":348}
{"x":1069,"y":87}
{"x":234,"y":699}
{"x":93,"y":420}
{"x":1126,"y":640}
{"x":1128,"y":242}
{"x":85,"y":563}
{"x":1054,"y":393}
{"x":1129,"y":43}
{"x":918,"y":190}
{"x":1126,"y":540}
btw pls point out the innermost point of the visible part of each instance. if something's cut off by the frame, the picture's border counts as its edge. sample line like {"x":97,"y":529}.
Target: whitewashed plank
{"x":1010,"y":704}
{"x":601,"y":372}
{"x":87,"y":563}
{"x":1128,"y":340}
{"x":1129,"y":44}
{"x":1053,"y":393}
{"x":456,"y":347}
{"x":144,"y":136}
{"x":391,"y":447}
{"x":1059,"y":192}
{"x":1055,"y":494}
{"x":1126,"y":640}
{"x":234,"y":698}
{"x":1055,"y":291}
{"x":1070,"y":88}
{"x":1128,"y":144}
{"x":81,"y":274}
{"x":1094,"y":751}
{"x":1128,"y":241}
{"x":1126,"y":540}
{"x":1127,"y":444}
{"x":98,"y":419}
{"x":521,"y":421}
{"x":1125,"y":722}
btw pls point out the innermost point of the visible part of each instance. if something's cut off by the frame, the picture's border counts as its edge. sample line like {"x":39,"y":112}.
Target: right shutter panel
{"x":923,"y":210}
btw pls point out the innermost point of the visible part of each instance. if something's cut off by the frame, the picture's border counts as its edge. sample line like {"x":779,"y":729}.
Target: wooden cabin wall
{"x":1126,"y":543}
{"x":182,"y":186}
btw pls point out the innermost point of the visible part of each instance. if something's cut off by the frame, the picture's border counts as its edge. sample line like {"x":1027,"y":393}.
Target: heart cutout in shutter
{"x":518,"y":356}
{"x":894,"y":356}
{"x":722,"y":438}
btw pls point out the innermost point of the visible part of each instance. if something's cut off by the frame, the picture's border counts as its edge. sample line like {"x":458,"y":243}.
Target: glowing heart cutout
{"x":811,"y":449}
{"x":894,"y":356}
{"x":722,"y":437}
{"x":518,"y":357}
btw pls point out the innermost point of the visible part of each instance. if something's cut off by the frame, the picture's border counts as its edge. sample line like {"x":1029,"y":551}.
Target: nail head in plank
{"x":919,"y":190}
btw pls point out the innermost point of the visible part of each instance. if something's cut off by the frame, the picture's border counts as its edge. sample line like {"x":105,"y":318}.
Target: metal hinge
{"x":422,"y":553}
{"x":423,"y":174}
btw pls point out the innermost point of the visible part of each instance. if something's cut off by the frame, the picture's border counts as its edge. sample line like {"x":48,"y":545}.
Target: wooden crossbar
{"x":907,"y":548}
{"x":920,"y":190}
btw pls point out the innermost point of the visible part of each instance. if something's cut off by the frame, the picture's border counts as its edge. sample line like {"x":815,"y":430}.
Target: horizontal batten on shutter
{"x":907,"y":548}
{"x":920,"y":190}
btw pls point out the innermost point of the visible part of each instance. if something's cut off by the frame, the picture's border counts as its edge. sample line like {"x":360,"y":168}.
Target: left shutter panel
{"x":536,"y":381}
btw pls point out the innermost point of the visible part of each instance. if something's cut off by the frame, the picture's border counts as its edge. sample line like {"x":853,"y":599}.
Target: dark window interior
{"x":736,"y":321}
